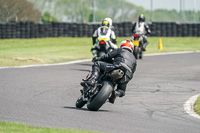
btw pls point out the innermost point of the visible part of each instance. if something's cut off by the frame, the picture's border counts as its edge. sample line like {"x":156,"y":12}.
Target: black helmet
{"x":105,"y":23}
{"x":141,"y":18}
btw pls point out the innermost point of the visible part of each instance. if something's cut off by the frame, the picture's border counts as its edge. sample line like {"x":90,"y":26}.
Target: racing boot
{"x":91,"y":80}
{"x":112,"y":97}
{"x":144,"y":46}
{"x":117,"y":93}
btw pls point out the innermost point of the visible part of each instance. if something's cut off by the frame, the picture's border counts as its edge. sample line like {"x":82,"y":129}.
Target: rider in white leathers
{"x":141,"y":27}
{"x":104,"y":33}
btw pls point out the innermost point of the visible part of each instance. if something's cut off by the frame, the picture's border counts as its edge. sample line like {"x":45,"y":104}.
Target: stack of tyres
{"x":60,"y":29}
{"x":79,"y":29}
{"x":65,"y":29}
{"x":74,"y":30}
{"x":32,"y":31}
{"x":22,"y":29}
{"x":126,"y":29}
{"x":152,"y":27}
{"x":168,"y":29}
{"x":41,"y":30}
{"x":158,"y":29}
{"x":190,"y":29}
{"x":44,"y":30}
{"x":70,"y":29}
{"x":184,"y":30}
{"x":12,"y":30}
{"x":3,"y":31}
{"x":163,"y":28}
{"x":8,"y":31}
{"x":85,"y":30}
{"x":17,"y":32}
{"x":55,"y":29}
{"x":90,"y":30}
{"x":49,"y":29}
{"x":115,"y":25}
{"x":36,"y":28}
{"x":27,"y":29}
{"x":173,"y":29}
{"x":120,"y":28}
{"x":0,"y":31}
{"x":198,"y":25}
{"x":195,"y":29}
{"x":179,"y":29}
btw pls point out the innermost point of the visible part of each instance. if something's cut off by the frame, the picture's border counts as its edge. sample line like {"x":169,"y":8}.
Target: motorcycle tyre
{"x":96,"y":103}
{"x":80,"y":103}
{"x":136,"y":52}
{"x":101,"y":54}
{"x":141,"y":54}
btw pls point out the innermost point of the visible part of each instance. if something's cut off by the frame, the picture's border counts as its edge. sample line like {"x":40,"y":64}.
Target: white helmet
{"x":109,"y":20}
{"x":127,"y":44}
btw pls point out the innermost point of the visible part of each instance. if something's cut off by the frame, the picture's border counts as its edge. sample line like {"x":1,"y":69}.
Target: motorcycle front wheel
{"x":95,"y":103}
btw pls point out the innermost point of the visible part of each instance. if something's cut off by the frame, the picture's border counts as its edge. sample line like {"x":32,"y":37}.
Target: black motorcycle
{"x":96,"y":96}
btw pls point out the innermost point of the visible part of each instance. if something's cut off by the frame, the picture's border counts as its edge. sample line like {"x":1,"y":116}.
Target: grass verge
{"x":197,"y":106}
{"x":18,"y":52}
{"x":7,"y":127}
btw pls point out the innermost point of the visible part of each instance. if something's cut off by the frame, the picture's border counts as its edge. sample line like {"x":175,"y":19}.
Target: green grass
{"x":18,"y":52}
{"x":197,"y":106}
{"x":8,"y":127}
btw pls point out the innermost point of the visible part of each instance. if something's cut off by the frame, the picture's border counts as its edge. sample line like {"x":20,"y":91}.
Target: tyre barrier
{"x":56,"y":29}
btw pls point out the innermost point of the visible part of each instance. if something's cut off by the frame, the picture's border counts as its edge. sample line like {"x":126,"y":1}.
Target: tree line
{"x":81,"y":11}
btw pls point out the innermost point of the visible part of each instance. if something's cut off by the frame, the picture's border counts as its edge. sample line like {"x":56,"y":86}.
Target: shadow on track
{"x":84,"y":64}
{"x":85,"y":70}
{"x":85,"y":109}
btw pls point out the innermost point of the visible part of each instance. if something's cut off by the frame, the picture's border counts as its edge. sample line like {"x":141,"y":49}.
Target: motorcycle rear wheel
{"x":101,"y":54}
{"x":140,"y":54}
{"x":95,"y":103}
{"x":136,"y":52}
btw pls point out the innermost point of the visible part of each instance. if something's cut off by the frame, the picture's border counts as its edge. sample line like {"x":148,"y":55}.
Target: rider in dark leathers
{"x":141,"y":27}
{"x":121,"y":57}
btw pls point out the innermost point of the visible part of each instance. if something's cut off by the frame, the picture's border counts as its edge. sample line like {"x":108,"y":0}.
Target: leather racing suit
{"x":141,"y":28}
{"x":104,"y":33}
{"x":120,"y":57}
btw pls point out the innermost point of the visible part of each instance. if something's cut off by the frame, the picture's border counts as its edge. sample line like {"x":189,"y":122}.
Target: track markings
{"x":189,"y":106}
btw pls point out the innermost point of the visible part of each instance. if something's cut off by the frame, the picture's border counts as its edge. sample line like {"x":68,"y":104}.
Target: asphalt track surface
{"x":154,"y":102}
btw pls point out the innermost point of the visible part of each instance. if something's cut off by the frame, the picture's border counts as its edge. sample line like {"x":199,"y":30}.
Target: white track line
{"x":79,"y":61}
{"x":56,"y":64}
{"x":170,"y":53}
{"x":189,"y":106}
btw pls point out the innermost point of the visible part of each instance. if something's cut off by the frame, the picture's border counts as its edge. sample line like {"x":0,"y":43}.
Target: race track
{"x":154,"y":102}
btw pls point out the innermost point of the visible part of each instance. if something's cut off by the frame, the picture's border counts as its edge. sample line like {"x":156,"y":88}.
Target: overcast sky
{"x":167,"y":4}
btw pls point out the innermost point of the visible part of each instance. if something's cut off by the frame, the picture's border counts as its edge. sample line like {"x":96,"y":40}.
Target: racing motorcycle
{"x":137,"y":40}
{"x":97,"y":95}
{"x":102,"y":47}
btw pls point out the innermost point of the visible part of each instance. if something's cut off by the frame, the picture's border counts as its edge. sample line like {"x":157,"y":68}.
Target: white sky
{"x":167,"y":4}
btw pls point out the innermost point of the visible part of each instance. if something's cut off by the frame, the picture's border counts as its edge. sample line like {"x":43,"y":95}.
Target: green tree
{"x":18,"y":10}
{"x":48,"y":18}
